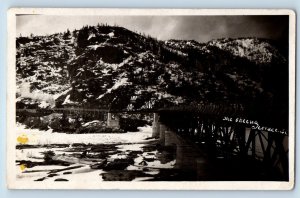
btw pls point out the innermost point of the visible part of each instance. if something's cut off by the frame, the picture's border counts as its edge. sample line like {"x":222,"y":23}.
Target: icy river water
{"x":49,"y":156}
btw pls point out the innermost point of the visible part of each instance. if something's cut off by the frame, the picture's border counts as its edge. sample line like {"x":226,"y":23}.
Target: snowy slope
{"x":42,"y":74}
{"x":112,"y":67}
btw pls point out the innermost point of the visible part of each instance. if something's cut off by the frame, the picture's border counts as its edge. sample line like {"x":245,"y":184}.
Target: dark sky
{"x":199,"y":28}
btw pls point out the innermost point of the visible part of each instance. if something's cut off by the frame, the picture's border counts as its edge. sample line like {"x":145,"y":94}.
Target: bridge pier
{"x":162,"y":131}
{"x":203,"y":169}
{"x":113,"y":122}
{"x":188,"y":156}
{"x":155,"y":126}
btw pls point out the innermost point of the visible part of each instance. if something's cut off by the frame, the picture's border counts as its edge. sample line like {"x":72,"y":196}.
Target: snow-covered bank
{"x":130,"y":156}
{"x":38,"y":137}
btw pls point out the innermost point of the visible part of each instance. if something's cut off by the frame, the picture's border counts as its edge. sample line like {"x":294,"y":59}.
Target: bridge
{"x":217,"y":138}
{"x":207,"y":136}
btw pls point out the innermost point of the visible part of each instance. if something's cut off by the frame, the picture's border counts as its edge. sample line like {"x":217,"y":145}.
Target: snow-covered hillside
{"x":42,"y":74}
{"x":112,"y":67}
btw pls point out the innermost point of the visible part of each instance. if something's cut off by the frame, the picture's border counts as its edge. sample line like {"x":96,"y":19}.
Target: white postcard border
{"x":13,"y":183}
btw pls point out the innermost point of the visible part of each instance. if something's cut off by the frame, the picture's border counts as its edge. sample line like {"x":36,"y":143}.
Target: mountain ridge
{"x":115,"y":68}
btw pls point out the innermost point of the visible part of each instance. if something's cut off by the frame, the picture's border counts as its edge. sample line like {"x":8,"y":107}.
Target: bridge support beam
{"x":156,"y":126}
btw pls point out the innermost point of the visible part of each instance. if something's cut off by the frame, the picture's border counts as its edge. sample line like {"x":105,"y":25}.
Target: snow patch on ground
{"x":140,"y":163}
{"x":90,"y":123}
{"x":120,"y":82}
{"x":113,"y":66}
{"x":85,"y":173}
{"x":44,"y":104}
{"x":68,"y":101}
{"x":91,"y":36}
{"x":38,"y":137}
{"x":119,"y":156}
{"x":111,"y":34}
{"x":62,"y":93}
{"x":94,"y":47}
{"x":142,"y":178}
{"x":155,"y":164}
{"x":131,"y":147}
{"x":46,"y":100}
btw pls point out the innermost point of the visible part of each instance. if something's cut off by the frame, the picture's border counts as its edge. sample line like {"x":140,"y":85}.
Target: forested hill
{"x":112,"y":67}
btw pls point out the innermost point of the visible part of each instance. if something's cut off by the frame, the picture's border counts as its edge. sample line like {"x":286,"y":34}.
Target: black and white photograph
{"x":151,"y":99}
